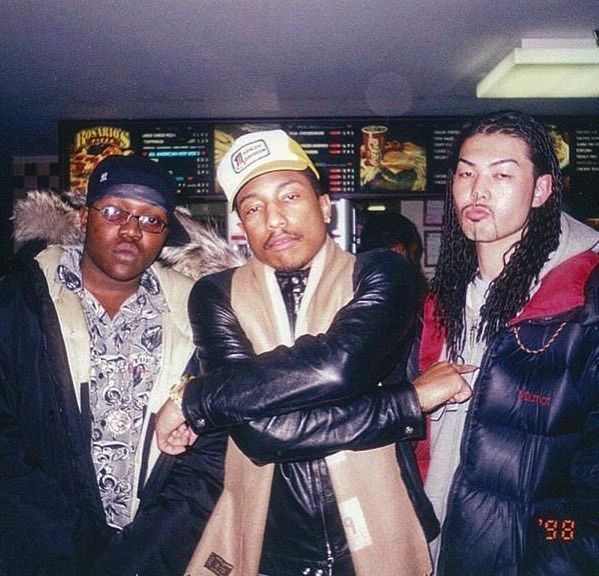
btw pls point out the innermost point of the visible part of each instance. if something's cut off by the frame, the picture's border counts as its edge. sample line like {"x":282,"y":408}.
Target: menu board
{"x":85,"y":146}
{"x":587,"y":151}
{"x":332,"y":149}
{"x":442,"y":137}
{"x":581,"y":197}
{"x":184,"y":150}
{"x":358,"y":158}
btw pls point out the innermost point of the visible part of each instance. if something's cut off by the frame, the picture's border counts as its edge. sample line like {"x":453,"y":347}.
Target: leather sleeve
{"x":362,"y":345}
{"x":375,"y":419}
{"x":217,"y":335}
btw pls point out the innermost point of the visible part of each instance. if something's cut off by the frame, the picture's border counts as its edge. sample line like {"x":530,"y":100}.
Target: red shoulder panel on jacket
{"x":562,"y":289}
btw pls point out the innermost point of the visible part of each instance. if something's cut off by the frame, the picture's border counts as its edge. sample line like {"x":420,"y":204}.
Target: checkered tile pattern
{"x":34,"y":173}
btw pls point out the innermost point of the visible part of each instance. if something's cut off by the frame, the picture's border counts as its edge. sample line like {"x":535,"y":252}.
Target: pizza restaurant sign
{"x":99,"y":135}
{"x":90,"y":146}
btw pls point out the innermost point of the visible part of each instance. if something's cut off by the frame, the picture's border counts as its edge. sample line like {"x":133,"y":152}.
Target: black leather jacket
{"x":294,"y":406}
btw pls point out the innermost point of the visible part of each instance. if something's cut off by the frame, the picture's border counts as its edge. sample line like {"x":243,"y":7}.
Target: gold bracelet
{"x":176,"y":392}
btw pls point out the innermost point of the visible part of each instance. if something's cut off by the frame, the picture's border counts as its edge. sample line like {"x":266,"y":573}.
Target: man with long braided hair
{"x":514,"y":471}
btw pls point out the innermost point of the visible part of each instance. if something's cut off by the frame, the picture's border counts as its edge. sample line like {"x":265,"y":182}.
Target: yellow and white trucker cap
{"x":257,"y":153}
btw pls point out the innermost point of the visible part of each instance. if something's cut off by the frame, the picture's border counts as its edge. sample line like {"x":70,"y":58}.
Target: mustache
{"x":475,"y":205}
{"x":274,"y":237}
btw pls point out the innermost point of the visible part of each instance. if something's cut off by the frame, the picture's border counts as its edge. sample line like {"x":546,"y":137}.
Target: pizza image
{"x":90,"y":147}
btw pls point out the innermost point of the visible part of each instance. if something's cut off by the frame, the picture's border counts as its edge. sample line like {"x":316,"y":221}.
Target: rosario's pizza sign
{"x":91,"y":145}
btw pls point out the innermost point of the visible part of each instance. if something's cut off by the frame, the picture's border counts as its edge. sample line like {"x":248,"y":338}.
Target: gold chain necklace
{"x":516,"y":332}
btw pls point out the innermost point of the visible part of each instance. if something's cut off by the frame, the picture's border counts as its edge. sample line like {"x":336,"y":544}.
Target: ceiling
{"x":262,"y":58}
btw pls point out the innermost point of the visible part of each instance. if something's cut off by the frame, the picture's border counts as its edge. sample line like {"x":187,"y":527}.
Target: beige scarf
{"x":383,"y":533}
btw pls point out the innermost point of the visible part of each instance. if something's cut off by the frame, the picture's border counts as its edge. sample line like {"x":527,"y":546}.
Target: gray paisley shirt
{"x":125,"y":354}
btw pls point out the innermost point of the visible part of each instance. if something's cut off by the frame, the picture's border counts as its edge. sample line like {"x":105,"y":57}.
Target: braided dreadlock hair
{"x":458,"y":265}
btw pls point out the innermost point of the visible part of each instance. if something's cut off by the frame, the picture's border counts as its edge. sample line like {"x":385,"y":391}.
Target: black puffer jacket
{"x":279,"y":406}
{"x":51,"y":517}
{"x":525,"y":498}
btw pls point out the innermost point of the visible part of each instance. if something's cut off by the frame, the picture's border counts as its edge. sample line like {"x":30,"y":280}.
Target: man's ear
{"x":83,"y":216}
{"x":543,"y":190}
{"x":325,"y":207}
{"x":399,"y":248}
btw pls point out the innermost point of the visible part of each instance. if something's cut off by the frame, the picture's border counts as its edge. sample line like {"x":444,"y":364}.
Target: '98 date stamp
{"x":558,"y":530}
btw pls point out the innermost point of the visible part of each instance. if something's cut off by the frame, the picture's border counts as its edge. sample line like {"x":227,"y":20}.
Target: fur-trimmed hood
{"x":50,"y":218}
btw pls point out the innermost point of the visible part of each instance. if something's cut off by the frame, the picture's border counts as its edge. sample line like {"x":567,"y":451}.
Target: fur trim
{"x":207,"y":252}
{"x":47,"y":217}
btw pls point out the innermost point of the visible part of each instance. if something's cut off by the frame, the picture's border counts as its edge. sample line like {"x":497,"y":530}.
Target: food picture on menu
{"x":390,"y":162}
{"x":561,"y":146}
{"x":222,"y":142}
{"x":560,"y":138}
{"x":89,"y":146}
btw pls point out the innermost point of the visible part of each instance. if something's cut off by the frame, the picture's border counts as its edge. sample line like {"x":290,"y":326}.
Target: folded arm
{"x":391,"y":413}
{"x":359,"y":349}
{"x":374,"y":419}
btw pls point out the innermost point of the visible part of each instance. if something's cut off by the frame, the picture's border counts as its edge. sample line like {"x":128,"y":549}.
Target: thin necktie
{"x":293,"y":286}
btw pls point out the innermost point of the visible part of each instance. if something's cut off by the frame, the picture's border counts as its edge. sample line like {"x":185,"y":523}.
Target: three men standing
{"x":301,"y":356}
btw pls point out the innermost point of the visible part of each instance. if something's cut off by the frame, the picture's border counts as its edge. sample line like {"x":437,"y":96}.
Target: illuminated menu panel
{"x":331,"y":146}
{"x":332,"y":149}
{"x":442,"y":139}
{"x":358,"y":156}
{"x":587,"y":151}
{"x":85,"y":145}
{"x":581,"y":197}
{"x":393,"y":158}
{"x":184,"y":150}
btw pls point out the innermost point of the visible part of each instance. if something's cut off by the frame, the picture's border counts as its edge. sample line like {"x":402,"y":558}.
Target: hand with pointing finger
{"x":443,"y":382}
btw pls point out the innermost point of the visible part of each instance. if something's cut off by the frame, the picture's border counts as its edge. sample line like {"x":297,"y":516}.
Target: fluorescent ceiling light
{"x":544,"y":68}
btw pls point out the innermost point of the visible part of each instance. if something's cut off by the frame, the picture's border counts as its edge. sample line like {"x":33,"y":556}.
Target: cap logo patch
{"x":103,"y":176}
{"x":248,"y":154}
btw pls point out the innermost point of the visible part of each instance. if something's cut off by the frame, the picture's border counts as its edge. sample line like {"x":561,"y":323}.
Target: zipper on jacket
{"x":330,"y":558}
{"x":329,"y":550}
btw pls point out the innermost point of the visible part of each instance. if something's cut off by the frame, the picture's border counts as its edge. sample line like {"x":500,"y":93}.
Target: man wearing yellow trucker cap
{"x":291,"y":347}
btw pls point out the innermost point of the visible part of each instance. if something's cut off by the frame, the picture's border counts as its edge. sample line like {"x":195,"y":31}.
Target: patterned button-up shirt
{"x":125,"y":354}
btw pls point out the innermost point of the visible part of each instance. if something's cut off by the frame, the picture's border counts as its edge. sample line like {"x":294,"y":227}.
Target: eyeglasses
{"x":120,"y":217}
